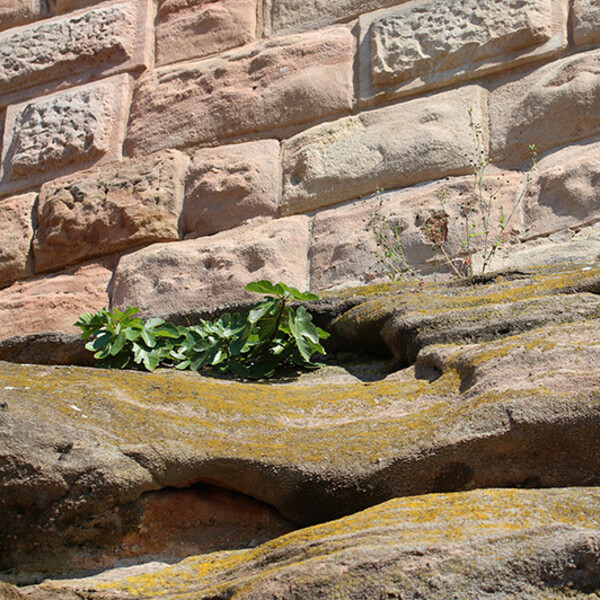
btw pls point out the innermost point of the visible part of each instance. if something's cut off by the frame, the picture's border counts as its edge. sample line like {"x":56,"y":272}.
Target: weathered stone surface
{"x":209,"y":273}
{"x":397,"y":146}
{"x":53,"y":303}
{"x":15,"y":237}
{"x":413,"y":224}
{"x":578,"y":245}
{"x":586,"y":15}
{"x":405,"y":318}
{"x":62,"y":6}
{"x":56,"y":134}
{"x":565,"y":191}
{"x":189,"y":29}
{"x":108,"y":39}
{"x":283,"y":16}
{"x":20,"y":12}
{"x":555,"y":104}
{"x":518,"y":411}
{"x":229,"y":185}
{"x":264,"y":87}
{"x":108,"y":209}
{"x":526,"y":544}
{"x":52,"y":348}
{"x":424,"y":44}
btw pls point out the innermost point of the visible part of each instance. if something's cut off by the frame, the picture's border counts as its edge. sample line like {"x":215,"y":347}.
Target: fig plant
{"x":272,"y":334}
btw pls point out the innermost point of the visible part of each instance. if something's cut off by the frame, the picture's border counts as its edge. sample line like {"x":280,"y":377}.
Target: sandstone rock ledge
{"x":483,"y":544}
{"x":216,"y":489}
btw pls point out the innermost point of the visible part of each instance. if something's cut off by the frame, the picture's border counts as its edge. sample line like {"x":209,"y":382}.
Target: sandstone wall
{"x":164,"y":154}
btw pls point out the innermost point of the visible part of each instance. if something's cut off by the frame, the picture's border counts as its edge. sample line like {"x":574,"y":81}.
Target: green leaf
{"x":264,"y":287}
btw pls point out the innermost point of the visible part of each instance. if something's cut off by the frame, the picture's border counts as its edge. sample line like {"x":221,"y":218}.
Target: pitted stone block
{"x":108,"y":38}
{"x":425,"y":44}
{"x":264,"y":87}
{"x":55,"y":134}
{"x":108,"y":209}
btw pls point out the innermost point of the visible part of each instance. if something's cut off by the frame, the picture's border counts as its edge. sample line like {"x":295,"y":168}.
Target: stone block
{"x":586,"y":21}
{"x":15,"y":237}
{"x":554,"y":105}
{"x":19,"y":12}
{"x":59,"y":7}
{"x":565,"y":191}
{"x":287,"y":16}
{"x":265,"y":87}
{"x":108,"y":39}
{"x":53,"y":303}
{"x":347,"y":249}
{"x":188,"y":29}
{"x":108,"y":209}
{"x":229,"y":185}
{"x":425,"y":44}
{"x":56,"y":134}
{"x":209,"y":273}
{"x":392,"y":147}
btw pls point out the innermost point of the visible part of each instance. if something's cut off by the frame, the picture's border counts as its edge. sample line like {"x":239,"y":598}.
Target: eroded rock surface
{"x":527,"y":544}
{"x":502,"y":391}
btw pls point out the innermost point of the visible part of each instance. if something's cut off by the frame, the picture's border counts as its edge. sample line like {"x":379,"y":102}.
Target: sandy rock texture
{"x":390,"y":147}
{"x":188,"y":29}
{"x":15,"y":237}
{"x":527,"y":544}
{"x":108,"y":209}
{"x":110,"y":38}
{"x":551,"y":106}
{"x":586,"y":13}
{"x":53,"y":303}
{"x":263,"y":87}
{"x":209,"y":273}
{"x":56,"y":134}
{"x":92,"y":454}
{"x":19,"y":12}
{"x":230,"y":185}
{"x":423,"y":45}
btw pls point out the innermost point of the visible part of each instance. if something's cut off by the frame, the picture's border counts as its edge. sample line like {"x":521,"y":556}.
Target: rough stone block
{"x":109,"y":209}
{"x":229,"y":185}
{"x":392,"y":147}
{"x":264,"y":87}
{"x":554,"y":105}
{"x":208,"y":273}
{"x":56,"y":134}
{"x":110,"y":38}
{"x":15,"y":237}
{"x":565,"y":191}
{"x":62,"y":6}
{"x":188,"y":29}
{"x":586,"y":20}
{"x":287,"y":16}
{"x":423,"y":44}
{"x":20,"y":12}
{"x":346,"y":241}
{"x":53,"y":303}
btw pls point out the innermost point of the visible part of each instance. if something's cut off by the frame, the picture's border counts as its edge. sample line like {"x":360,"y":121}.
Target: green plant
{"x":118,"y":339}
{"x":252,"y":344}
{"x":480,"y":235}
{"x":390,"y":251}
